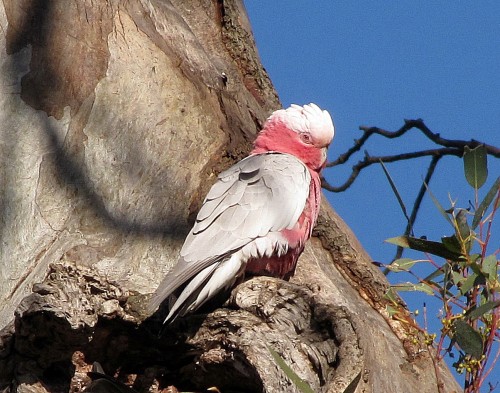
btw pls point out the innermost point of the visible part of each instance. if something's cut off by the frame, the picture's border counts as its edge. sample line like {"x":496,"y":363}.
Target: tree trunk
{"x":116,"y":118}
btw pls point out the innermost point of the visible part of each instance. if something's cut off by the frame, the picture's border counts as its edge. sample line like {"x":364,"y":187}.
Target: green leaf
{"x":463,"y":230}
{"x":443,"y":212}
{"x":408,"y":286}
{"x":423,"y":245}
{"x":467,"y":284}
{"x":297,"y":381}
{"x":481,"y":310}
{"x":391,"y":310}
{"x":468,"y":339}
{"x":490,"y":267}
{"x":474,"y":258}
{"x":391,"y":295}
{"x":476,"y":268}
{"x":395,"y":191}
{"x":402,"y":264}
{"x":485,"y":204}
{"x":462,"y":225}
{"x":476,"y":165}
{"x":438,"y":272}
{"x":457,"y":278}
{"x":451,"y":243}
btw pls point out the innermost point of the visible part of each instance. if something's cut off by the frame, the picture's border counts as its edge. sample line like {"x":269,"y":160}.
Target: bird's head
{"x":303,"y":131}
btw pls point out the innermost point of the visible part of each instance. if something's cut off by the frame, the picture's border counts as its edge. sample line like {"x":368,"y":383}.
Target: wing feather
{"x":273,"y":197}
{"x":255,"y":199}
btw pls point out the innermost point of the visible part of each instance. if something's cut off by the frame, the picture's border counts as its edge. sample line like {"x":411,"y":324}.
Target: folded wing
{"x":249,"y":205}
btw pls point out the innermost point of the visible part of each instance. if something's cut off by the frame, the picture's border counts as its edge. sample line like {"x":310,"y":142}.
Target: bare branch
{"x":410,"y":124}
{"x":370,"y":160}
{"x":450,"y":147}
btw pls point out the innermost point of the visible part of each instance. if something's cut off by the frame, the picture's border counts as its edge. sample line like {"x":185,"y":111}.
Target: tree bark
{"x":116,"y":118}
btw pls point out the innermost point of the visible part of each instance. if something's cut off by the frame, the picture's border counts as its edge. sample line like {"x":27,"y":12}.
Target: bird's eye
{"x":306,"y":138}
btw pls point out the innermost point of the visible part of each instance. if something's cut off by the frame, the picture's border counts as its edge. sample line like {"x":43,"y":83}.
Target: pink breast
{"x":284,"y":266}
{"x":281,"y":267}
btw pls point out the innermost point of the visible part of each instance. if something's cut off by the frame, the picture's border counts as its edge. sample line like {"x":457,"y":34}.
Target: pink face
{"x":304,"y":132}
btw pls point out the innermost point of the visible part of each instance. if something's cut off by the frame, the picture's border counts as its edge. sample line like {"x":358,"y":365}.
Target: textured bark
{"x":116,"y":117}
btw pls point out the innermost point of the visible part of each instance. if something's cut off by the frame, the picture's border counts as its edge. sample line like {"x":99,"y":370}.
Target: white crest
{"x":308,"y":118}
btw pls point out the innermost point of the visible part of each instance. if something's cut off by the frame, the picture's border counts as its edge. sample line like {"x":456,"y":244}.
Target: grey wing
{"x":261,"y":194}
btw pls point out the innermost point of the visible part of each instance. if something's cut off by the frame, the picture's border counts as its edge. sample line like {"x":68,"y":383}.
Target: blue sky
{"x":377,"y":63}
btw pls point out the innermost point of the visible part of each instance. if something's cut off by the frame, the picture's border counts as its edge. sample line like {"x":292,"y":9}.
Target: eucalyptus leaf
{"x":451,"y":243}
{"x":467,"y":338}
{"x":476,"y":165}
{"x":410,"y":287}
{"x":391,"y":310}
{"x":463,"y":230}
{"x":474,"y":258}
{"x":463,"y":227}
{"x":296,"y":380}
{"x":402,"y":264}
{"x":481,"y":310}
{"x":485,"y":204}
{"x":438,"y":272}
{"x":490,"y":267}
{"x":423,"y":245}
{"x":457,"y":278}
{"x":468,"y":283}
{"x":443,"y":212}
{"x":476,"y":268}
{"x":391,"y":295}
{"x":395,"y":191}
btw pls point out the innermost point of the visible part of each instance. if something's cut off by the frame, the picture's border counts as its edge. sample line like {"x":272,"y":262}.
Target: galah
{"x":258,"y":215}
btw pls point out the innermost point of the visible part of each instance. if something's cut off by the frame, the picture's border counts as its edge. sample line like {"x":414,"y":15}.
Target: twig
{"x":450,"y":147}
{"x":418,"y":201}
{"x":409,"y":124}
{"x":370,"y":160}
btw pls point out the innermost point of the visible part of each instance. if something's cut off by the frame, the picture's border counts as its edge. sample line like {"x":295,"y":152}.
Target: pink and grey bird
{"x":258,"y":215}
